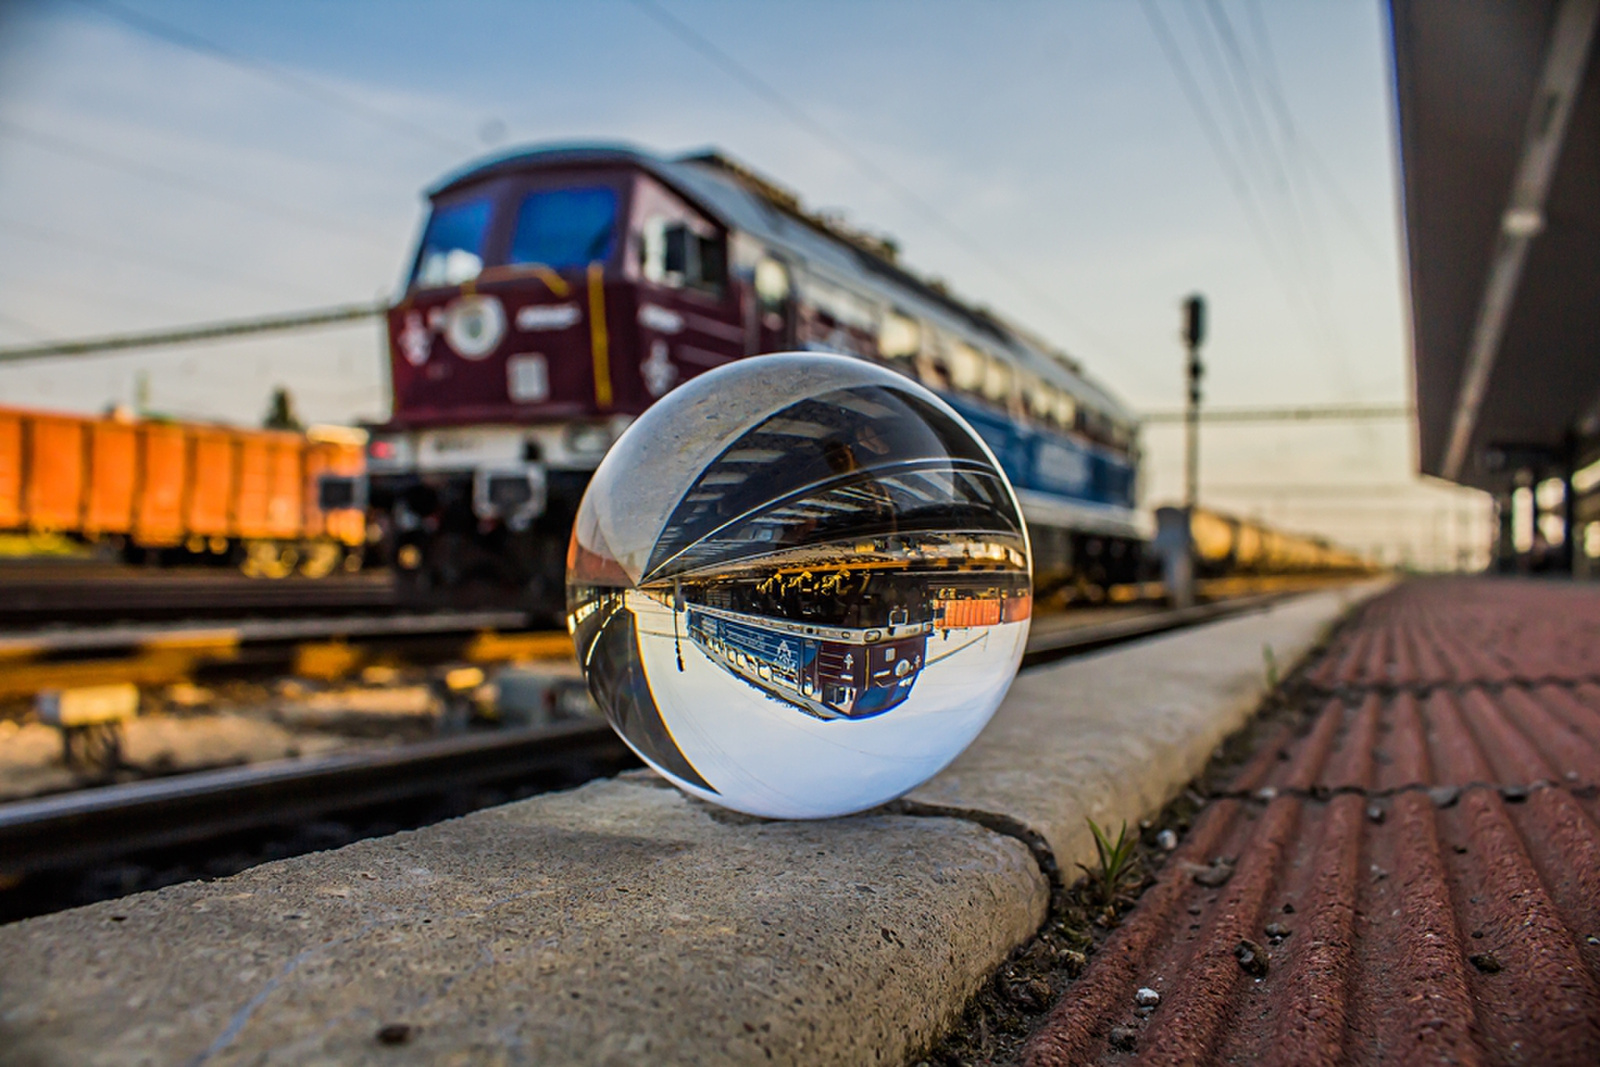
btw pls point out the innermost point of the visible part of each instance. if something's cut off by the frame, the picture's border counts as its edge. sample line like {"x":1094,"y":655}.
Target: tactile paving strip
{"x":1414,"y":879}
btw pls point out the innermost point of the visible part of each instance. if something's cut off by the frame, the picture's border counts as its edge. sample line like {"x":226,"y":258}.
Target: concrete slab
{"x":1113,"y":736}
{"x":619,"y":923}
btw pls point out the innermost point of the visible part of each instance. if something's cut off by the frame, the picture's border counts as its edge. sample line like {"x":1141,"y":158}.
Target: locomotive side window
{"x":966,"y":367}
{"x":997,"y":380}
{"x":452,"y":245}
{"x":674,"y":245}
{"x":1040,"y":396}
{"x":899,"y":337}
{"x":674,"y":254}
{"x":562,"y":228}
{"x":1066,"y":411}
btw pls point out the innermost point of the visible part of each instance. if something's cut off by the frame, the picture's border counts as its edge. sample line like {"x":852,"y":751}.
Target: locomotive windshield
{"x":565,"y":227}
{"x":452,"y":245}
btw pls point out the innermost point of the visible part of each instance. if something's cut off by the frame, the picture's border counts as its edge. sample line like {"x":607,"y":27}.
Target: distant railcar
{"x":556,"y":293}
{"x":181,"y":492}
{"x":1226,"y":545}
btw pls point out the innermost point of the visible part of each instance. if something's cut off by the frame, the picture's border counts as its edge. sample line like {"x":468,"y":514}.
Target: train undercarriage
{"x":466,"y":539}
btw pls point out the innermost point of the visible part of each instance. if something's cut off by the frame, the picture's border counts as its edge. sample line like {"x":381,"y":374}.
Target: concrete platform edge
{"x":623,"y":922}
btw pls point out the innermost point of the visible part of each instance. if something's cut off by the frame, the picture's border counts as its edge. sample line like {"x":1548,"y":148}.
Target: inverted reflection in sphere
{"x":799,"y":585}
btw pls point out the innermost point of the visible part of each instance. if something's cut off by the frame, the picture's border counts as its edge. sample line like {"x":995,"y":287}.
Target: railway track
{"x":91,"y":826}
{"x":46,"y":840}
{"x":85,"y":592}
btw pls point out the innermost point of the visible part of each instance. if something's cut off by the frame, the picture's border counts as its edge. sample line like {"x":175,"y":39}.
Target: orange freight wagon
{"x":181,"y":491}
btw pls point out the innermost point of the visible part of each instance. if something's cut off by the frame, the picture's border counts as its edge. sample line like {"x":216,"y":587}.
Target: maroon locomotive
{"x":557,"y":293}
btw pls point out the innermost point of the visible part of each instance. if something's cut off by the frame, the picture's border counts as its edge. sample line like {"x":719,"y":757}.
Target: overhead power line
{"x":146,"y":258}
{"x":214,"y":331}
{"x":795,"y":114}
{"x":284,"y":79}
{"x":1455,"y":494}
{"x":1304,"y":149}
{"x":65,"y":146}
{"x":1306,"y":413}
{"x":1236,"y":90}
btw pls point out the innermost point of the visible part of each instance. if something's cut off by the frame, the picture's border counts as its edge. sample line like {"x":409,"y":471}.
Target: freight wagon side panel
{"x":113,"y":478}
{"x":250,"y":507}
{"x":285,"y":501}
{"x":53,"y":497}
{"x":10,"y":470}
{"x":210,"y":499}
{"x":158,"y":514}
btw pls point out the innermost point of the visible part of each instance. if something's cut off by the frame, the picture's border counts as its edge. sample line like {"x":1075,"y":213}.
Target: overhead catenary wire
{"x":1215,"y":138}
{"x":1302,"y":299}
{"x":53,"y":142}
{"x":1301,"y":413}
{"x":294,"y":82}
{"x":214,"y":331}
{"x":1301,"y":231}
{"x":802,"y":119}
{"x":1307,"y":152}
{"x":1302,"y":220}
{"x":1260,"y":155}
{"x":143,"y":257}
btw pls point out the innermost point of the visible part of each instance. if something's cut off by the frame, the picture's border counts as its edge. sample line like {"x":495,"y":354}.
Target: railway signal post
{"x":1175,"y":540}
{"x":1194,"y":332}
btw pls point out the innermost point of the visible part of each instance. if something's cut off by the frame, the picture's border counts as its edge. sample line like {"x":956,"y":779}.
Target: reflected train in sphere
{"x":799,"y":586}
{"x":849,"y":674}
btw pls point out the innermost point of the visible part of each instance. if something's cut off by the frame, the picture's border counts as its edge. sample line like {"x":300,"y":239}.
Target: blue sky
{"x":147,"y":181}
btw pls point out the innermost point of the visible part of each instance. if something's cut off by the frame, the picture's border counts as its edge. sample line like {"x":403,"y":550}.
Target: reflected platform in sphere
{"x":799,"y":585}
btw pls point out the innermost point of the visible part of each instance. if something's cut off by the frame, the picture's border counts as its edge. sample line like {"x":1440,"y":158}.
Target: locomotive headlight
{"x":474,"y":326}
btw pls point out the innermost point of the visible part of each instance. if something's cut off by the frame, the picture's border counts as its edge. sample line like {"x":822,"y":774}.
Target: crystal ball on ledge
{"x":799,"y":585}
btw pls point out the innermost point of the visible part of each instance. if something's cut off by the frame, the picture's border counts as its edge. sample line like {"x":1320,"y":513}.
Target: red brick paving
{"x":1421,"y":867}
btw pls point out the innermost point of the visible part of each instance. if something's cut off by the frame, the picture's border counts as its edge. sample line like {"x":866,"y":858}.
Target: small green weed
{"x":1271,"y":660}
{"x":1118,"y":860}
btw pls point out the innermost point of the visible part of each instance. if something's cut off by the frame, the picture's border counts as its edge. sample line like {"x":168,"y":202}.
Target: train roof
{"x":745,"y":201}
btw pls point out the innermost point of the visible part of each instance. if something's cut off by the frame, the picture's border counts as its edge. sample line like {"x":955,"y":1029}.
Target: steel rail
{"x":1047,"y":643}
{"x":94,"y":825}
{"x":257,"y":631}
{"x":50,"y":594}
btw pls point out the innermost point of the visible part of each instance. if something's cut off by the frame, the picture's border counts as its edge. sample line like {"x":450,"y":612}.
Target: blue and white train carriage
{"x":1069,"y":448}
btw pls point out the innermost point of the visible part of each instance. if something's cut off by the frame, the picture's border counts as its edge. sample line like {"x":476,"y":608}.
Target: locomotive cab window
{"x":452,"y":244}
{"x":563,"y":228}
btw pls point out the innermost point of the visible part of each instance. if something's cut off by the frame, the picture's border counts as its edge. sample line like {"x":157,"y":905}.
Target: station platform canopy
{"x":1499,"y":129}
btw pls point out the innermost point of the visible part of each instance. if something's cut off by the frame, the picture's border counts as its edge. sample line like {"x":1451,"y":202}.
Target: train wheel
{"x":318,"y":559}
{"x":269,"y":559}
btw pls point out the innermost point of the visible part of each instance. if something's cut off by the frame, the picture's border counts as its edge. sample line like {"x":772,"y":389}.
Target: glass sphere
{"x":799,"y":585}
